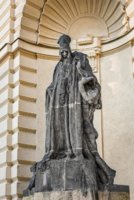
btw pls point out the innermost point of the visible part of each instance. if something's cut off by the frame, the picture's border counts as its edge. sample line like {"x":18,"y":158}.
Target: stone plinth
{"x":72,"y":180}
{"x":63,"y":175}
{"x":78,"y":195}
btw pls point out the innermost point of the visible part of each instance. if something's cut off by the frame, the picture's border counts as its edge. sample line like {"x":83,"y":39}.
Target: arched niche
{"x":88,"y":18}
{"x":105,"y":19}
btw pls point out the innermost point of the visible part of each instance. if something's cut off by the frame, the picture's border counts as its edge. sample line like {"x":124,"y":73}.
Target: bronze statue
{"x":71,"y":100}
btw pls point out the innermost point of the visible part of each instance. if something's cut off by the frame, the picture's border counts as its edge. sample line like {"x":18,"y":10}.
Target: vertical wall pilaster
{"x":6,"y":122}
{"x":24,"y":126}
{"x":18,"y":76}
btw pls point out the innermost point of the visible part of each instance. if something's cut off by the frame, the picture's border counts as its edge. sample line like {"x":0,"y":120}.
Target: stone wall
{"x":27,"y":60}
{"x":117,"y":96}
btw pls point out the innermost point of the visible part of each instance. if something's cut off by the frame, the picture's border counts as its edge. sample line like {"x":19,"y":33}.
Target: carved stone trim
{"x":94,"y":58}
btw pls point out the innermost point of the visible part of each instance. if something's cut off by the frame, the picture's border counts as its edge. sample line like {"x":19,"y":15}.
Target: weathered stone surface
{"x":71,"y":160}
{"x":77,"y":195}
{"x":67,"y":175}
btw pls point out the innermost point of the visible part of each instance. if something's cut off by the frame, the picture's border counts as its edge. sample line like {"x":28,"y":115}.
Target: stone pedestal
{"x":72,"y":180}
{"x":123,"y":194}
{"x":63,"y":175}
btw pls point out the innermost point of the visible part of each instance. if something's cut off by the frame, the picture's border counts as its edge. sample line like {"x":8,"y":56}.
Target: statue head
{"x":64,"y":43}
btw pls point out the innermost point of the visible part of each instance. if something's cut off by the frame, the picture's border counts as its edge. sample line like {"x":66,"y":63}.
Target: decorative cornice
{"x":48,"y":53}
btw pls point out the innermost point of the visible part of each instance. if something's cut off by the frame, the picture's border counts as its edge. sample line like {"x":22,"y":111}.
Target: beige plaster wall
{"x":45,"y":74}
{"x":118,"y":113}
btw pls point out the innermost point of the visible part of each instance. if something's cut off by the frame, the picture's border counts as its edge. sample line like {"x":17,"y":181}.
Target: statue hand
{"x":85,"y":80}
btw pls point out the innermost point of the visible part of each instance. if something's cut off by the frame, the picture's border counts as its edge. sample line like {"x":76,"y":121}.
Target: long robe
{"x":69,"y":128}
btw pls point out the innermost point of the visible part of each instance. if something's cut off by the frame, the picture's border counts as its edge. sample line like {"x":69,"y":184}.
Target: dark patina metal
{"x":72,"y":160}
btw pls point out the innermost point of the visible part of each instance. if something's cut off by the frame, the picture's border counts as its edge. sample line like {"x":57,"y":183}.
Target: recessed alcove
{"x":105,"y":19}
{"x":85,"y":26}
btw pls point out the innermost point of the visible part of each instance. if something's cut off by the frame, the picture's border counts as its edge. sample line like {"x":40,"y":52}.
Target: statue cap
{"x":64,"y":41}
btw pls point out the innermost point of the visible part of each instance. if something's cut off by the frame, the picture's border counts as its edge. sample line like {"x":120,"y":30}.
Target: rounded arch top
{"x":44,"y":21}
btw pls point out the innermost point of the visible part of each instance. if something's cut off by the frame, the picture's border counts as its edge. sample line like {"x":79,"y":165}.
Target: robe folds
{"x":69,"y":117}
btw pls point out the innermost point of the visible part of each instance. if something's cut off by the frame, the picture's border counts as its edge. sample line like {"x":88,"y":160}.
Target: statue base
{"x":66,"y":174}
{"x":121,"y":193}
{"x":63,"y":175}
{"x":72,"y":180}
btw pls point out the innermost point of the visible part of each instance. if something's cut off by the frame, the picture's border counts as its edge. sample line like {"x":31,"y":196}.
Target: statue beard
{"x":68,"y":57}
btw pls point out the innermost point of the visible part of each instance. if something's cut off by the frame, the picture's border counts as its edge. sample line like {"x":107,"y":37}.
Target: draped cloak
{"x":69,"y":128}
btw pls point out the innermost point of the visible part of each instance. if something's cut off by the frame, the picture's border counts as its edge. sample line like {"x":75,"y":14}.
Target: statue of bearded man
{"x":71,"y":100}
